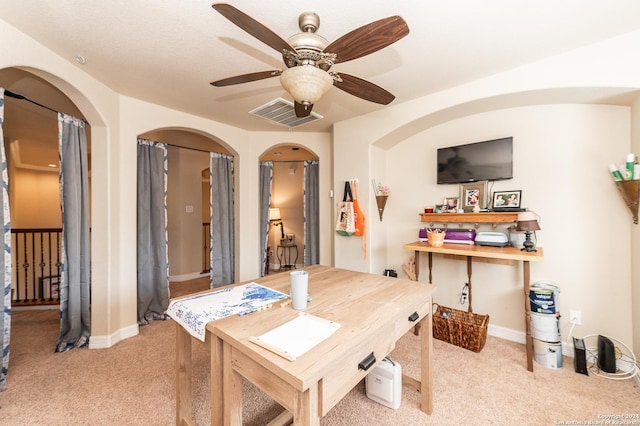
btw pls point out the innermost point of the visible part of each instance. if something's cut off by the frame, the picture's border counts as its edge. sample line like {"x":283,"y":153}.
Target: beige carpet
{"x":133,"y":383}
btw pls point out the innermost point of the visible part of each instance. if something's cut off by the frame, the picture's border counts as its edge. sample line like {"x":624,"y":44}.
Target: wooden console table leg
{"x":430,"y":267}
{"x":469,"y":261}
{"x":527,"y":312}
{"x":416,"y":257}
{"x":183,"y":377}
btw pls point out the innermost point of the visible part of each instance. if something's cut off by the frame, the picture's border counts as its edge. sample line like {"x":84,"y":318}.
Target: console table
{"x":373,"y":311}
{"x":471,"y":251}
{"x":285,"y":254}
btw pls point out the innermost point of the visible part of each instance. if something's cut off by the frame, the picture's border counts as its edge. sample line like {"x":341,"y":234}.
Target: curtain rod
{"x":15,"y":95}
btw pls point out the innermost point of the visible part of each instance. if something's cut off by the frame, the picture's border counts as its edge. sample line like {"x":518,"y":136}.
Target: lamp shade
{"x":306,"y":83}
{"x":527,"y":221}
{"x":274,"y":214}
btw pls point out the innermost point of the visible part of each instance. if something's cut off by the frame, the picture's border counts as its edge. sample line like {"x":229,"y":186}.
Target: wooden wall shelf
{"x":630,"y":191}
{"x":480,"y":217}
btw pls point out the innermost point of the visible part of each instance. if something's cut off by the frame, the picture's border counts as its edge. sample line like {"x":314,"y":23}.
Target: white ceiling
{"x":167,"y":51}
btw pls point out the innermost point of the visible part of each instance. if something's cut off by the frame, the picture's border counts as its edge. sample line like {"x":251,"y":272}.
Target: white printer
{"x":494,"y":239}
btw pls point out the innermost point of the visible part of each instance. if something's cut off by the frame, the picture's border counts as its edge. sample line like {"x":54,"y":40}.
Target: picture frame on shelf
{"x":505,"y":200}
{"x":450,"y":205}
{"x":288,"y":240}
{"x":473,"y":196}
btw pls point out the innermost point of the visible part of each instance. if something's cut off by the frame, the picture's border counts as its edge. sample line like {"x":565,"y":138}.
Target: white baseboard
{"x":103,"y":342}
{"x":519,"y":337}
{"x":187,"y":277}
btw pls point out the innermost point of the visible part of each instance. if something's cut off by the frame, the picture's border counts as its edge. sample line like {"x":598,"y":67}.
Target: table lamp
{"x":275,"y":219}
{"x":527,"y":222}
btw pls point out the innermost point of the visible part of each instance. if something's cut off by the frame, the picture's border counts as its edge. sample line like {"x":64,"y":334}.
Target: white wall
{"x":116,"y":121}
{"x":561,"y":153}
{"x":362,"y":147}
{"x":635,"y":237}
{"x":599,"y":73}
{"x":35,"y":199}
{"x":184,"y":188}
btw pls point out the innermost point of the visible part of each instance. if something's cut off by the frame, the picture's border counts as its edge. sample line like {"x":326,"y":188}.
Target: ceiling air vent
{"x":282,"y":112}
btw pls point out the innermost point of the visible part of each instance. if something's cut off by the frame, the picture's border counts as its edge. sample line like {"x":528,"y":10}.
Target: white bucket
{"x":548,"y":354}
{"x":543,"y":297}
{"x":545,"y":327}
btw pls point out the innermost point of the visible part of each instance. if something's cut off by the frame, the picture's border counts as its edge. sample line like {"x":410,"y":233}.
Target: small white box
{"x":384,"y":384}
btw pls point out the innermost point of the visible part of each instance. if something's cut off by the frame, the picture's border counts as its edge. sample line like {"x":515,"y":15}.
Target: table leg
{"x":183,"y":377}
{"x":426,"y":365}
{"x":469,"y":262}
{"x":279,"y":259}
{"x":232,"y":390}
{"x":306,"y":411}
{"x":217,"y":357}
{"x":430,"y":267}
{"x":527,"y":312}
{"x":416,"y":259}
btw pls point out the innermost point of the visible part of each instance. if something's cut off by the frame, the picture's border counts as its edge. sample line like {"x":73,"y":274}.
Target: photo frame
{"x":505,"y":200}
{"x":450,"y":205}
{"x":473,"y":196}
{"x":288,"y":240}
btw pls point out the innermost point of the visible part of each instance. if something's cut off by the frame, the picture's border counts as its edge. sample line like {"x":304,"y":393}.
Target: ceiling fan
{"x":309,"y":57}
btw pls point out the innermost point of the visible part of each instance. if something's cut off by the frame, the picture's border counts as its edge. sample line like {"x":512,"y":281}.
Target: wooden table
{"x":471,"y":251}
{"x":374,"y":312}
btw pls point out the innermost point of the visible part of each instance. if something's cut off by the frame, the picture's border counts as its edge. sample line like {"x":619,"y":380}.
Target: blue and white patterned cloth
{"x":193,"y":313}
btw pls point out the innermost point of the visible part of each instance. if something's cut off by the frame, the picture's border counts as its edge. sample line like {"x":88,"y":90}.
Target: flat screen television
{"x":488,"y":160}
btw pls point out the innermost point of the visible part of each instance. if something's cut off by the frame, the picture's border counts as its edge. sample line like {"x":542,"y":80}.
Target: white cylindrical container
{"x":548,"y":354}
{"x":299,"y":289}
{"x":545,"y":327}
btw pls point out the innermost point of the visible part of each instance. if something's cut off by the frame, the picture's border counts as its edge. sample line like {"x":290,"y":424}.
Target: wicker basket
{"x":460,"y":328}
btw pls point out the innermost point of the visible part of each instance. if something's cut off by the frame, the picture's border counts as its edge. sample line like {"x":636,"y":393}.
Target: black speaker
{"x":579,"y":357}
{"x":606,"y":355}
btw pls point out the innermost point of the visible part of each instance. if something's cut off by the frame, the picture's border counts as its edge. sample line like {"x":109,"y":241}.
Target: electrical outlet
{"x":575,"y":317}
{"x":464,"y":296}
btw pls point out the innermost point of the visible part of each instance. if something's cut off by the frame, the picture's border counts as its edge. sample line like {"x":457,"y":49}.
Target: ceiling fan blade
{"x":302,"y":110}
{"x":253,"y":27}
{"x":364,"y":89}
{"x":368,"y":39}
{"x":246,"y":78}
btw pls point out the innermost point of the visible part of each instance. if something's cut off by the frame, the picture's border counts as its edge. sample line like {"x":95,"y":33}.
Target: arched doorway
{"x":45,"y":255}
{"x":188,"y":201}
{"x":288,"y":244}
{"x":31,"y":146}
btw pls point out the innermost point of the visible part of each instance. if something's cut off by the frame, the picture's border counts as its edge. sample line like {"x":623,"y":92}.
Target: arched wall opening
{"x":287,"y":194}
{"x":188,"y":196}
{"x":38,"y":151}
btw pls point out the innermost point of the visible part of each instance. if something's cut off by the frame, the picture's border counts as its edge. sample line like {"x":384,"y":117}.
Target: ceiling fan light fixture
{"x":306,"y":83}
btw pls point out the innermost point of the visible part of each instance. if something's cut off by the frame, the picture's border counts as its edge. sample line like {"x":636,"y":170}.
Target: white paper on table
{"x":296,"y":337}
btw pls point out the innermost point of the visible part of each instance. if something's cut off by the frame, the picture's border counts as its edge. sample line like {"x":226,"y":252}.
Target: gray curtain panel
{"x":75,"y":317}
{"x":222,"y":220}
{"x":5,"y":260}
{"x":153,"y":264}
{"x":266,"y":176}
{"x":311,"y":213}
